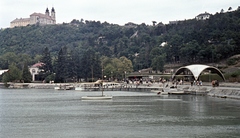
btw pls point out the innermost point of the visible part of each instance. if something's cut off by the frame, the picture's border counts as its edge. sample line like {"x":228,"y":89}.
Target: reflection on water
{"x":28,"y":113}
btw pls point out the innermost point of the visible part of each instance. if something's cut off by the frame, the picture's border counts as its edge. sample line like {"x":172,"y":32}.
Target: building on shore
{"x":35,"y":70}
{"x":36,"y":18}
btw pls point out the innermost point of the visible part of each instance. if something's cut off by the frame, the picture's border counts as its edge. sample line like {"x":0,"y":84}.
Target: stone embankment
{"x":41,"y":85}
{"x":225,"y":93}
{"x":225,"y":90}
{"x":28,"y":85}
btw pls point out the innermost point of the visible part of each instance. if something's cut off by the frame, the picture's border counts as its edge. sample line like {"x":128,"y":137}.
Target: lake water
{"x":37,"y":113}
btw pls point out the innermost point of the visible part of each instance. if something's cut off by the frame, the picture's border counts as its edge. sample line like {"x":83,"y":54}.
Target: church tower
{"x":47,"y":12}
{"x":53,"y":14}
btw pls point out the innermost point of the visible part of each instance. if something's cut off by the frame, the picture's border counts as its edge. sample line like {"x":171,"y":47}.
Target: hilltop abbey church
{"x":35,"y":18}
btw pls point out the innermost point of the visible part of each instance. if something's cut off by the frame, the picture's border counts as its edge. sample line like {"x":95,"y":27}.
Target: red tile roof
{"x":39,"y":64}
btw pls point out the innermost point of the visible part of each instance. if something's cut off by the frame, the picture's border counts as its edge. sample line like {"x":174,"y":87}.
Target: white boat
{"x":174,"y":91}
{"x":112,"y":85}
{"x":63,"y":87}
{"x":79,"y":88}
{"x":57,"y":88}
{"x":101,"y":97}
{"x":88,"y":85}
{"x":159,"y":91}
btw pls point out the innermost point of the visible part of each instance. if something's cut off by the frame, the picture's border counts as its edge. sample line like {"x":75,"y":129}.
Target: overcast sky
{"x":113,"y":11}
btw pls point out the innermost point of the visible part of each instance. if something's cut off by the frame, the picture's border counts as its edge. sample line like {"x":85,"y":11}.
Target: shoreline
{"x":225,"y":90}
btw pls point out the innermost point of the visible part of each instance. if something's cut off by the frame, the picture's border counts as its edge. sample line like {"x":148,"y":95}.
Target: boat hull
{"x":96,"y":97}
{"x":177,"y":93}
{"x":174,"y":91}
{"x":64,"y":87}
{"x":79,"y":89}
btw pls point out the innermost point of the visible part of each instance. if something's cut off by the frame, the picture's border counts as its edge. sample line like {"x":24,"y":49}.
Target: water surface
{"x":28,"y":113}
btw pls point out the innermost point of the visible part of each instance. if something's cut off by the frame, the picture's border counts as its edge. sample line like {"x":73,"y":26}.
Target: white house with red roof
{"x":35,"y":69}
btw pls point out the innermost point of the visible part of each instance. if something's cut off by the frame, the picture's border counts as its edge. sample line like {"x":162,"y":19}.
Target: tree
{"x":109,"y":71}
{"x":10,"y":57}
{"x":120,"y":66}
{"x":222,"y":11}
{"x":158,"y":63}
{"x":126,"y":64}
{"x":47,"y":60}
{"x":26,"y":74}
{"x":91,"y":64}
{"x":61,"y":66}
{"x":154,"y":23}
{"x":22,"y":44}
{"x":158,"y":59}
{"x":189,"y":52}
{"x":13,"y":74}
{"x":46,"y":68}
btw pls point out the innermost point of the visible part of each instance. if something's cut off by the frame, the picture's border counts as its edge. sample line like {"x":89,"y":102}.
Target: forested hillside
{"x":87,"y":43}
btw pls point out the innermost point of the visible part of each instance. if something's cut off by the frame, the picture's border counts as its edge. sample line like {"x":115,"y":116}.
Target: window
{"x":33,"y":71}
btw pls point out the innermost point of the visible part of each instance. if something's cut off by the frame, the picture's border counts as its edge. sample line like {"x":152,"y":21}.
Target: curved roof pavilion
{"x":197,"y":69}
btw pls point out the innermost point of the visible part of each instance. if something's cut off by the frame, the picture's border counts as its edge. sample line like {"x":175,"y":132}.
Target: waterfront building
{"x":35,"y":70}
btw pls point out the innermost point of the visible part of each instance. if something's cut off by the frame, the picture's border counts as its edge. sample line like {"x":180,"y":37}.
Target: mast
{"x":102,"y":79}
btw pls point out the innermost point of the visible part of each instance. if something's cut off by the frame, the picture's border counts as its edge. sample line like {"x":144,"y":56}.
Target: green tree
{"x":109,"y":71}
{"x":126,"y":64}
{"x":158,"y":63}
{"x":10,"y":58}
{"x":14,"y":74}
{"x":47,"y":60}
{"x":61,"y":66}
{"x":26,"y":75}
{"x":158,"y":59}
{"x":119,"y":67}
{"x":133,"y":41}
{"x":118,"y":71}
{"x":47,"y":67}
{"x":189,"y":52}
{"x":91,"y":64}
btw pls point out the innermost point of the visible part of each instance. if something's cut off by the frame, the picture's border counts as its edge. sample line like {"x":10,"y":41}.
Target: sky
{"x":113,"y":11}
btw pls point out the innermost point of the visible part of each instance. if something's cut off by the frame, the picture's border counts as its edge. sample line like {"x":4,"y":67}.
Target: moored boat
{"x":159,"y":91}
{"x":64,"y":87}
{"x":101,"y":97}
{"x":176,"y":92}
{"x":79,"y":88}
{"x":112,"y":85}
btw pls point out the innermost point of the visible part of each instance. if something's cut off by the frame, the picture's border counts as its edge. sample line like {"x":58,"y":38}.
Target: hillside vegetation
{"x":84,"y":44}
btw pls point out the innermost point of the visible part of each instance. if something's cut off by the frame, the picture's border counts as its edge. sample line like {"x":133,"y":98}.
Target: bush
{"x":50,"y":78}
{"x":234,"y":75}
{"x":232,"y":61}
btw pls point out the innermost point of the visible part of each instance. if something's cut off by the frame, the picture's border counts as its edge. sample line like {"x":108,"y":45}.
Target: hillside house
{"x":203,"y":16}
